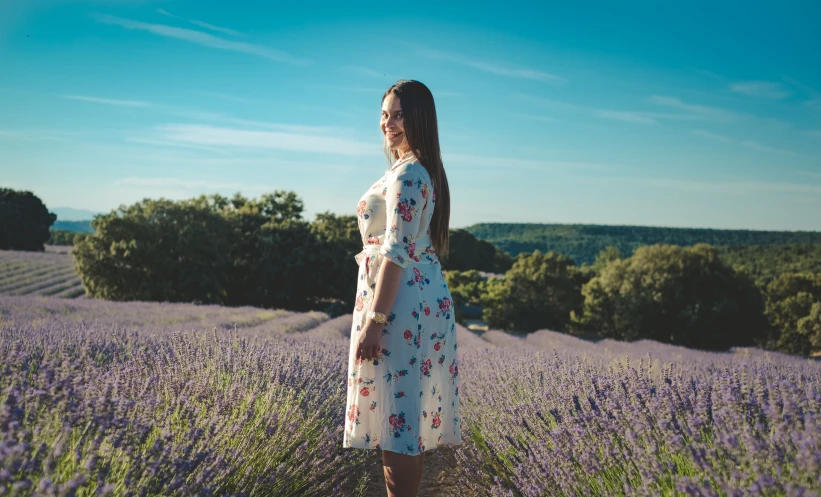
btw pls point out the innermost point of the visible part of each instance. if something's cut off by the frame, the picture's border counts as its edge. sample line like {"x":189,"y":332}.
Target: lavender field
{"x":103,"y":398}
{"x":39,"y":273}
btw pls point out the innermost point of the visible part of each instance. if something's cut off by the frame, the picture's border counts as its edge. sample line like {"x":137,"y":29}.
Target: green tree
{"x":338,"y":241}
{"x":538,"y":292}
{"x":65,"y":237}
{"x":24,"y":221}
{"x":684,"y":296}
{"x":792,"y":300}
{"x":606,"y":256}
{"x":157,"y":250}
{"x":468,"y":252}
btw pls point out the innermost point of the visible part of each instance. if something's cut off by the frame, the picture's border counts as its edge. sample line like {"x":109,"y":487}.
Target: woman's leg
{"x":402,"y":473}
{"x":421,"y":460}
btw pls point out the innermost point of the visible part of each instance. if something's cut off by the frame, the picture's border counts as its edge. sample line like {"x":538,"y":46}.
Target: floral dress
{"x":405,"y":400}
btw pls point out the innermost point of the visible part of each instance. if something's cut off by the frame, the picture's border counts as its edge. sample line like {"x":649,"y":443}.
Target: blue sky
{"x":696,"y":115}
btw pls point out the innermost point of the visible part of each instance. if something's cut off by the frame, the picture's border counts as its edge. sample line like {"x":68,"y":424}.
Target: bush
{"x":684,"y":296}
{"x":794,"y":311}
{"x":157,"y":250}
{"x":538,"y":292}
{"x":24,"y":221}
{"x":468,"y":252}
{"x":214,"y":250}
{"x":65,"y":237}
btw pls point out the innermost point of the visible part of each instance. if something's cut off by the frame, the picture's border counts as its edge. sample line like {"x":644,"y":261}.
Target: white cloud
{"x":280,"y":140}
{"x":109,"y":101}
{"x":699,"y":110}
{"x":766,"y":89}
{"x":744,"y":143}
{"x":33,"y":136}
{"x":736,"y":187}
{"x":201,"y":38}
{"x":632,"y":117}
{"x":492,"y":67}
{"x":189,"y":184}
{"x":639,"y":117}
{"x":534,"y":117}
{"x":202,"y":24}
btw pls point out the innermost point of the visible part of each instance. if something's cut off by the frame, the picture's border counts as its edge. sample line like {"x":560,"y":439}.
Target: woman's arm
{"x":404,"y":201}
{"x":387,"y":286}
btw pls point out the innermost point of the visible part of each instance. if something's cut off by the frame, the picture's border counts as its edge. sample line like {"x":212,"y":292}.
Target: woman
{"x":403,"y":382}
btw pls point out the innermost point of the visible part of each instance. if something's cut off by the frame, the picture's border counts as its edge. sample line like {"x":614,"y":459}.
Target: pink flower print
{"x":442,"y":359}
{"x":360,"y":303}
{"x":360,"y":209}
{"x":424,"y":191}
{"x":373,"y":406}
{"x":427,"y":308}
{"x":353,"y":414}
{"x":399,"y":394}
{"x":444,"y":304}
{"x":408,"y":336}
{"x":454,"y":369}
{"x":425,"y":367}
{"x":437,"y":346}
{"x":421,"y":445}
{"x":365,"y":391}
{"x":411,"y":248}
{"x":436,"y":421}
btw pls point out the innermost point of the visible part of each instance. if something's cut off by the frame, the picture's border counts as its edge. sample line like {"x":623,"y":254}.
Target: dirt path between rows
{"x":439,"y":476}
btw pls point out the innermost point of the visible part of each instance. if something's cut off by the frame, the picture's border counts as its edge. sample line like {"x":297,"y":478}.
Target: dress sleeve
{"x":404,"y":201}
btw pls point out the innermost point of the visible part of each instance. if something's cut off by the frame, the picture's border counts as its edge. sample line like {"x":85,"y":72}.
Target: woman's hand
{"x":370,"y":341}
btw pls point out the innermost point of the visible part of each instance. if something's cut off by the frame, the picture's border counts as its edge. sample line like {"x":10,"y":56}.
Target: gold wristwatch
{"x":378,"y":317}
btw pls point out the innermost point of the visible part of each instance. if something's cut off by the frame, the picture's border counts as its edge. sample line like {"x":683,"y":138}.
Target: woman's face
{"x":393,"y":125}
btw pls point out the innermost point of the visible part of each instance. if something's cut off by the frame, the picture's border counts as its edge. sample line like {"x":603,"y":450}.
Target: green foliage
{"x":538,"y":292}
{"x":467,"y":289}
{"x":157,"y":250}
{"x":684,"y":296}
{"x":793,"y":308}
{"x":766,"y":262}
{"x":583,"y":242}
{"x":467,"y":252}
{"x":24,"y":221}
{"x":64,"y":237}
{"x":605,"y":257}
{"x":212,"y":249}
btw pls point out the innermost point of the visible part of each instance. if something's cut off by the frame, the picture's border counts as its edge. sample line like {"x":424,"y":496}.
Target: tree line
{"x":680,"y":295}
{"x":219,"y":250}
{"x":583,"y":242}
{"x":262,"y":252}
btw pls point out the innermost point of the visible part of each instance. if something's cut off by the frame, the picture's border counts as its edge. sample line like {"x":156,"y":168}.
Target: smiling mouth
{"x":392,"y":135}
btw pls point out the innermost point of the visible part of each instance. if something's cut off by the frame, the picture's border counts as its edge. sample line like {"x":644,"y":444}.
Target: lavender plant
{"x":146,"y":398}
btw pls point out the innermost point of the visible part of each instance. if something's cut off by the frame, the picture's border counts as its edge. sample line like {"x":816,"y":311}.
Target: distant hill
{"x":582,"y":242}
{"x":75,"y":226}
{"x":72,"y":214}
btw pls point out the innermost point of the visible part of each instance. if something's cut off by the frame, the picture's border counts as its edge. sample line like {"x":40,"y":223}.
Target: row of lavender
{"x":174,"y":399}
{"x":39,"y":273}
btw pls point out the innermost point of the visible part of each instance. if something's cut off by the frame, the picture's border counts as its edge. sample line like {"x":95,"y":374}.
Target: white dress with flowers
{"x":406,"y":400}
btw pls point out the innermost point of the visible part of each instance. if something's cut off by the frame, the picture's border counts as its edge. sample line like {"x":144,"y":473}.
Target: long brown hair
{"x":422,"y":133}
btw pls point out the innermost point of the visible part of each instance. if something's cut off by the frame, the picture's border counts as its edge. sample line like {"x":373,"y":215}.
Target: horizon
{"x":667,"y":117}
{"x":541,"y":223}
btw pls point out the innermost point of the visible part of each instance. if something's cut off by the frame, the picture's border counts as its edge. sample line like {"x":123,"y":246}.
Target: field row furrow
{"x":32,"y":271}
{"x":45,"y":285}
{"x":38,"y":278}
